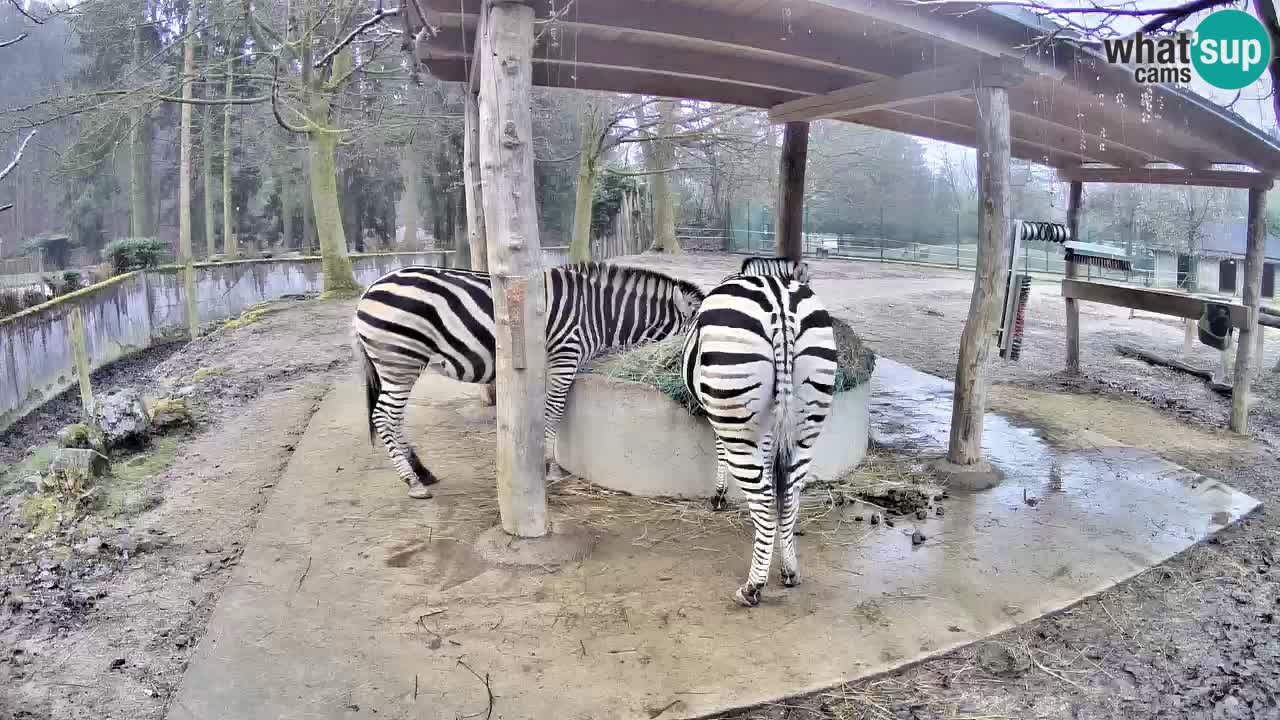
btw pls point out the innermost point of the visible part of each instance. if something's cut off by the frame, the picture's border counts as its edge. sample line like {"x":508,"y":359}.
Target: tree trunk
{"x":588,"y":147}
{"x":184,"y":188}
{"x":580,"y":245}
{"x":970,"y":400}
{"x":1252,"y":297}
{"x":790,"y":206}
{"x":515,"y":257}
{"x":338,"y":276}
{"x":410,"y":169}
{"x":206,"y":148}
{"x":287,"y":208}
{"x":139,"y":159}
{"x":230,"y":243}
{"x":471,"y":181}
{"x":661,"y":161}
{"x":1074,"y":199}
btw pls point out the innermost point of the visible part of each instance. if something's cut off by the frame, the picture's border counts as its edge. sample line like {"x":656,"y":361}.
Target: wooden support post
{"x":1188,"y":337}
{"x":1258,"y":350}
{"x":1073,"y":307}
{"x":471,"y":180}
{"x":515,"y":259}
{"x":789,"y":227}
{"x":80,"y":354}
{"x":1257,"y":230}
{"x":984,"y":306}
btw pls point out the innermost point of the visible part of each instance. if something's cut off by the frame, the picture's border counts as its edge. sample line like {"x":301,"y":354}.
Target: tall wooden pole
{"x":984,"y":305}
{"x":1257,"y":230}
{"x":471,"y":179}
{"x":789,"y":227}
{"x":1073,"y":308}
{"x":515,"y":260}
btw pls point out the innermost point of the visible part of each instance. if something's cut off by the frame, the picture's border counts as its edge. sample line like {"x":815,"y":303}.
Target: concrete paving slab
{"x":354,"y":601}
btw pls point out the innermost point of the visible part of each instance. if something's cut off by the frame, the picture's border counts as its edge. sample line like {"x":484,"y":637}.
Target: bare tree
{"x":13,"y":164}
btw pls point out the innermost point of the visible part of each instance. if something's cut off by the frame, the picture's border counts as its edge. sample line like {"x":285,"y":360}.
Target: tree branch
{"x":378,"y":17}
{"x":1178,"y":14}
{"x":275,"y":104}
{"x":18,"y":157}
{"x":1267,"y":11}
{"x":15,"y":41}
{"x":18,"y":6}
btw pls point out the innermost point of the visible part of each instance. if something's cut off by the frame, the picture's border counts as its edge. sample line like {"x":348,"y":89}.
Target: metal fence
{"x":856,"y":247}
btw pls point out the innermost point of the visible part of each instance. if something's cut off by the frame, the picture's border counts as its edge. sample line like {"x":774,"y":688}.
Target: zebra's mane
{"x":607,"y":273}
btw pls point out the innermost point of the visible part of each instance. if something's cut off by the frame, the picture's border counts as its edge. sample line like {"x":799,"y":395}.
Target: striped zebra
{"x":761,"y":361}
{"x":777,"y":267}
{"x":424,"y":317}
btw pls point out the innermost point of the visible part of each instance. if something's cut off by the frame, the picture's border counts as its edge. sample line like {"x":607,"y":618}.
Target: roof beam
{"x":891,"y":92}
{"x":1168,"y":176}
{"x":744,"y":35}
{"x":961,"y":134}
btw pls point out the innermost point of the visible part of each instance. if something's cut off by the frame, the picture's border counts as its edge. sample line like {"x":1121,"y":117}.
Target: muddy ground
{"x":98,"y":617}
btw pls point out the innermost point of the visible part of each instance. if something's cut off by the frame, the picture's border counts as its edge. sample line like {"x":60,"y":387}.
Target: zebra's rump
{"x":416,"y":317}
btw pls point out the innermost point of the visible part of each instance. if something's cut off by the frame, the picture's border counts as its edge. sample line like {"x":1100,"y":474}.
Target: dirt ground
{"x":99,"y":619}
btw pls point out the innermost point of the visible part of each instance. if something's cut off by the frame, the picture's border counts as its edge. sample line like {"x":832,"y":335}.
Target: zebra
{"x":781,"y":267}
{"x":424,"y":317}
{"x":760,"y":360}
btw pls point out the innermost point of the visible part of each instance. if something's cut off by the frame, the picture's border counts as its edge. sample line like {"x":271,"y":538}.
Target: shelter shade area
{"x":990,"y":78}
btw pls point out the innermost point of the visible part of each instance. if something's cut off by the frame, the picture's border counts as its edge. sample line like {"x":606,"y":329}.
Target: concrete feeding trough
{"x":628,"y":425}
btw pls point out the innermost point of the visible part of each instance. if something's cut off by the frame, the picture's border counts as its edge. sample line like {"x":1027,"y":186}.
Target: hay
{"x":658,"y":365}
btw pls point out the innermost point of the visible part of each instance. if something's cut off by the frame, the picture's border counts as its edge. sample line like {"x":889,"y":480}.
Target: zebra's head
{"x":688,"y":299}
{"x":779,"y":267}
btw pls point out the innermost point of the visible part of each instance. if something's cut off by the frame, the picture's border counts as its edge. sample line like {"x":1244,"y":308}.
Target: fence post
{"x":80,"y":353}
{"x":882,"y":248}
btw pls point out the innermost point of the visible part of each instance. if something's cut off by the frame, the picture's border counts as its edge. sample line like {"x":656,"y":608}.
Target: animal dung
{"x":918,"y":538}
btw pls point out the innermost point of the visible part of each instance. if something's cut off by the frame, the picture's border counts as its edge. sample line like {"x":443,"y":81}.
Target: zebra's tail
{"x":784,"y":426}
{"x":372,"y":386}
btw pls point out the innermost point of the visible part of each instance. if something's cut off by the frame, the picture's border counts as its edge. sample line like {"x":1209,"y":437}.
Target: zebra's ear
{"x":801,"y":274}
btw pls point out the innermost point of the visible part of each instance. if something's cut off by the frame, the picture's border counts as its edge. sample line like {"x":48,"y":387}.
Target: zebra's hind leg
{"x":718,"y":501}
{"x":764,"y":516}
{"x":388,"y":422}
{"x":789,"y":509}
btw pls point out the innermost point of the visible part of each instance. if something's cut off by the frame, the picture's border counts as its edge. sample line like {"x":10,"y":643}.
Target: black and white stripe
{"x":780,"y":267}
{"x":424,"y":317}
{"x":761,"y":361}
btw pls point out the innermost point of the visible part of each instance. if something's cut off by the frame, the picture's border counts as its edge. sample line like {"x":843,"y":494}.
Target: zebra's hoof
{"x":419,"y":492}
{"x":790,"y":579}
{"x":719,"y":503}
{"x":747,"y":597}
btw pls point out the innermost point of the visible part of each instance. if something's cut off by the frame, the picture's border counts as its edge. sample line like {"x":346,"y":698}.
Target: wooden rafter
{"x":892,"y":92}
{"x":1168,"y":176}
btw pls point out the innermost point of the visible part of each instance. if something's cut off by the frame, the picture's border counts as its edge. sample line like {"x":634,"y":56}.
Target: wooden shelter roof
{"x":883,"y":63}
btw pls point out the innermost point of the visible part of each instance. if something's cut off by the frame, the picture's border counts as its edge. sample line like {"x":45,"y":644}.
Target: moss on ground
{"x":124,"y":491}
{"x":204,"y":373}
{"x":11,"y":476}
{"x":254,"y":314}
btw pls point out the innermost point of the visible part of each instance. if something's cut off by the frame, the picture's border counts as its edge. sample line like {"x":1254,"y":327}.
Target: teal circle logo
{"x":1232,"y":49}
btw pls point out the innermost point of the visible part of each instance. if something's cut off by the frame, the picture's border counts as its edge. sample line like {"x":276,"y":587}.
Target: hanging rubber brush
{"x":1013,"y":349}
{"x":1105,"y":257}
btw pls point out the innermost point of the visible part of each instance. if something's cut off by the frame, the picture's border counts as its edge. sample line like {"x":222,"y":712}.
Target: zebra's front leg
{"x":562,"y":367}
